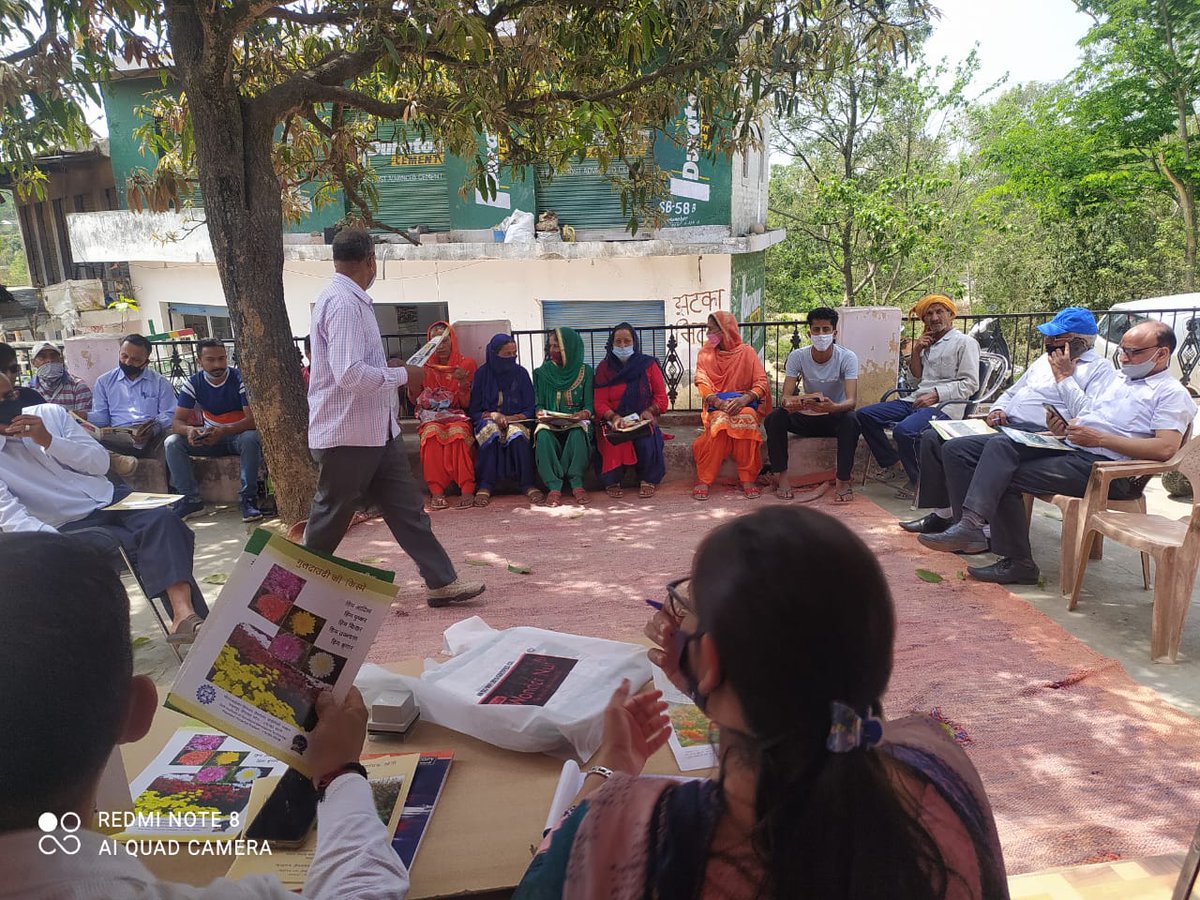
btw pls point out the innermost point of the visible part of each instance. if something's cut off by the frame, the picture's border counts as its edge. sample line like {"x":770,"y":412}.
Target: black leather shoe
{"x":961,"y":538}
{"x":1007,"y":571}
{"x":930,"y":524}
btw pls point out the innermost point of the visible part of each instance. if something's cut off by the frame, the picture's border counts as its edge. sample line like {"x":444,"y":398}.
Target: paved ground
{"x":1113,"y":615}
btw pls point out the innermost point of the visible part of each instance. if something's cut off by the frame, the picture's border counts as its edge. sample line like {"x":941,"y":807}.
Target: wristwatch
{"x":328,"y":777}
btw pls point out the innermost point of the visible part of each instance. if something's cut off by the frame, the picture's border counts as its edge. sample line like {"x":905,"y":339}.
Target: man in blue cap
{"x":1068,"y":339}
{"x":1142,"y":412}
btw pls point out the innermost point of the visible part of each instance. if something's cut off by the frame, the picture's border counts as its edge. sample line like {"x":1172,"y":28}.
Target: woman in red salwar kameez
{"x":628,"y":382}
{"x":447,"y":441}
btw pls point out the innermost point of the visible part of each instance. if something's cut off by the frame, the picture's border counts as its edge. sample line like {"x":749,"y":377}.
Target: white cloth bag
{"x":522,"y":688}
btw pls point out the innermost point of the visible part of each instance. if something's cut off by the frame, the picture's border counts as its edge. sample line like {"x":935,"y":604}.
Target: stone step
{"x":219,"y":478}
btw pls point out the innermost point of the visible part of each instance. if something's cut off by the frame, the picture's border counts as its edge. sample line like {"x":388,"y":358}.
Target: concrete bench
{"x":219,"y":477}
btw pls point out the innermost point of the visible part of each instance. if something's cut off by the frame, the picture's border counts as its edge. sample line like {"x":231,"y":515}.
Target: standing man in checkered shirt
{"x":353,"y":432}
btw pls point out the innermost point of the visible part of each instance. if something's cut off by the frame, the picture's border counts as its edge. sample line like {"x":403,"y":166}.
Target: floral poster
{"x":289,"y":624}
{"x":198,"y":787}
{"x":692,"y":734}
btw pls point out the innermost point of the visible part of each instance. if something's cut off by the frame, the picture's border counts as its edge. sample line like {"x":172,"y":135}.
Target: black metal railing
{"x":1013,"y":335}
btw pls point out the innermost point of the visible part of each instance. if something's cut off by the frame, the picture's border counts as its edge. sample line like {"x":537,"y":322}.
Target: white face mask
{"x":623,"y":352}
{"x":1138,"y":371}
{"x":822,"y":342}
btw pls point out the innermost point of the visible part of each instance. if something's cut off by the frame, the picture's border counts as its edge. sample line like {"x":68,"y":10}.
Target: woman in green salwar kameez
{"x":563,"y":387}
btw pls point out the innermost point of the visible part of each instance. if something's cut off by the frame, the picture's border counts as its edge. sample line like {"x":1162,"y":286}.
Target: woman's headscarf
{"x":501,"y":375}
{"x":555,"y":379}
{"x":631,"y":372}
{"x":733,"y":367}
{"x":442,"y":374}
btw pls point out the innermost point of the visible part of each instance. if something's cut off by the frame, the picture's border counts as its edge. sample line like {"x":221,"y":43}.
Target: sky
{"x":1029,"y":40}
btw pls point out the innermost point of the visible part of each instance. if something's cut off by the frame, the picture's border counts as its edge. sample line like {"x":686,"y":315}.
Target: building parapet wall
{"x":183,"y":238}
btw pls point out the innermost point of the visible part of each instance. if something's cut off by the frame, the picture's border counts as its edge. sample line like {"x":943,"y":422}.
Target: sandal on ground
{"x":784,"y":493}
{"x":359,"y":517}
{"x":186,"y":632}
{"x":890,"y":474}
{"x":438,"y":501}
{"x":845,"y":495}
{"x":615,"y":491}
{"x":907,"y":492}
{"x":646,"y":490}
{"x":751,"y":490}
{"x":700,"y":492}
{"x":535,"y":496}
{"x":554,"y":498}
{"x":483,"y":498}
{"x":581,"y":496}
{"x":466,"y":501}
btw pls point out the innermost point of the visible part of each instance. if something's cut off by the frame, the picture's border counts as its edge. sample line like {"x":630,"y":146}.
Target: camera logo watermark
{"x":48,"y":843}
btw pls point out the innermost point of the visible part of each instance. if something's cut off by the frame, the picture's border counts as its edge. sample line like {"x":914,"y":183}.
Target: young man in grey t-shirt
{"x":825,"y":408}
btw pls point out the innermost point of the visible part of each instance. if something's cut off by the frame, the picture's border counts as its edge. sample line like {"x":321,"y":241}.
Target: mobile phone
{"x":289,"y":813}
{"x":1052,"y":409}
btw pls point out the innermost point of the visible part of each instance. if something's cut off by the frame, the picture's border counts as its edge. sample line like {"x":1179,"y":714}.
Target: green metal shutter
{"x":647,"y":316}
{"x":582,"y":196}
{"x":412,"y":186}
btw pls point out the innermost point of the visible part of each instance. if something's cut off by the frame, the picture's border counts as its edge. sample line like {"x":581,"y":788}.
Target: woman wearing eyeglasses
{"x":816,"y":795}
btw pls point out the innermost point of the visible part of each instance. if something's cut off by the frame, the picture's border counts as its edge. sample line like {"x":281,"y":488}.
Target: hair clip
{"x":849,"y":731}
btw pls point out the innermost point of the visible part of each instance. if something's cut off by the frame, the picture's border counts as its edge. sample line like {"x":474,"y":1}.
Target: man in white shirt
{"x":1069,"y":338}
{"x":829,"y":373}
{"x":52,"y":480}
{"x":1142,"y":413}
{"x":68,"y":695}
{"x":353,"y":431}
{"x":947,"y":362}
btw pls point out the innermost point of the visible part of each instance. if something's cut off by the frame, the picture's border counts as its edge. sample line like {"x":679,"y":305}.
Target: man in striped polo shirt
{"x":227,"y":430}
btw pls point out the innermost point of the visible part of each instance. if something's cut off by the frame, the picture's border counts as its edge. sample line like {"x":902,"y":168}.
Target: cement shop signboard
{"x":478,"y":209}
{"x":698,"y":183}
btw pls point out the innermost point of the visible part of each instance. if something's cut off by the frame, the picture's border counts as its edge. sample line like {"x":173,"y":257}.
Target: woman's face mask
{"x":623,"y":353}
{"x":678,"y":653}
{"x":822,"y":342}
{"x":714,"y":340}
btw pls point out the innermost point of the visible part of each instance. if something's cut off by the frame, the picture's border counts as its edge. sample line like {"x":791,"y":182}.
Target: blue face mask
{"x":623,"y":353}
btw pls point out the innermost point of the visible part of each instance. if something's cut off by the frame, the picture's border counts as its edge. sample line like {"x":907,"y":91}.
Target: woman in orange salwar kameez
{"x":735,"y":397}
{"x":447,"y":440}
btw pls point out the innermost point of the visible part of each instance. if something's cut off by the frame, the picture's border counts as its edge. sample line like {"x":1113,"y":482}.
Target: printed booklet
{"x":690,"y":742}
{"x":950,"y":429}
{"x":198,"y":786}
{"x":288,"y":623}
{"x":1036,"y":439}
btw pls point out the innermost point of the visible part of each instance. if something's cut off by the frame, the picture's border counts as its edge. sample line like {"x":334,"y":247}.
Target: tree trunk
{"x":244,"y":212}
{"x":1185,"y":194}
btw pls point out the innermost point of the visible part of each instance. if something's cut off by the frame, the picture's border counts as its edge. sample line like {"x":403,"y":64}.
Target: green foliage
{"x":876,"y":203}
{"x":1080,"y":192}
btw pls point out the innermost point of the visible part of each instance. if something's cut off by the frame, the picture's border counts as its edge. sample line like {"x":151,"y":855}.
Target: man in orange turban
{"x":947,"y":363}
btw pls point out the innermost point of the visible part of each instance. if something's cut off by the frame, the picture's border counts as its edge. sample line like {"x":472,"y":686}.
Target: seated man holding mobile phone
{"x":68,"y":695}
{"x":829,"y":374}
{"x":1141,"y":413}
{"x":1068,"y":340}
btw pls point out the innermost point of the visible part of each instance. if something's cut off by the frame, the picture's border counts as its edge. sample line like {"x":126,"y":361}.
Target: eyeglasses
{"x":1131,"y":352}
{"x":677,"y":597}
